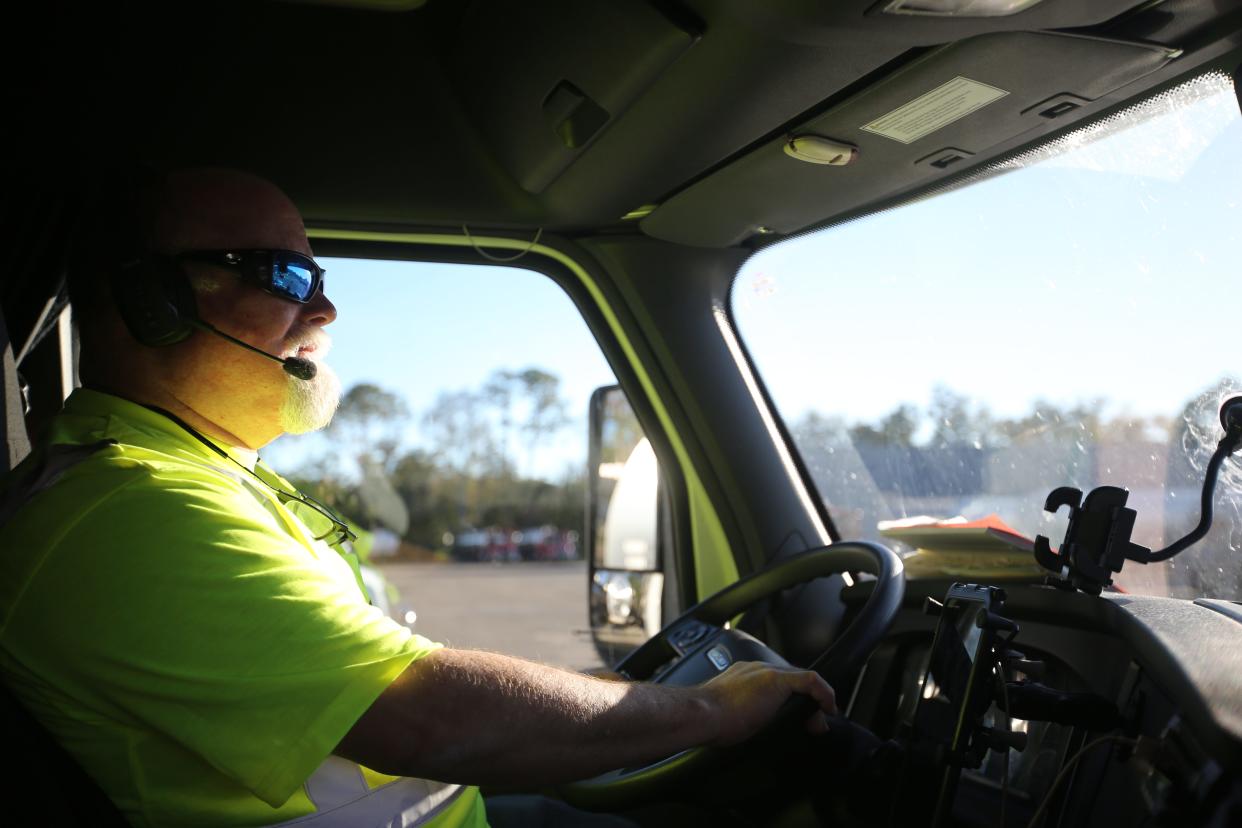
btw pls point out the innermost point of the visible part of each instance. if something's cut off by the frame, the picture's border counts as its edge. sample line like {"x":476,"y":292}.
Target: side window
{"x":459,"y":450}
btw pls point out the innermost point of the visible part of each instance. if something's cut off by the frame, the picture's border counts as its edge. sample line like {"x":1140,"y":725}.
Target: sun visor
{"x":925,"y":121}
{"x":538,"y":107}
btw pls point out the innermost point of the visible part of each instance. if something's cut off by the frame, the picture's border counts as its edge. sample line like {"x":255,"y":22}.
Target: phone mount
{"x":972,"y":669}
{"x":1097,"y":540}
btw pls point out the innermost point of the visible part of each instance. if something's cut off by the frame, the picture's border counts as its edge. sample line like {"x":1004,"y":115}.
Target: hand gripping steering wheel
{"x":699,"y":645}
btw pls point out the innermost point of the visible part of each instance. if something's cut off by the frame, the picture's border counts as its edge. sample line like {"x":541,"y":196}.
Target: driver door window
{"x":460,"y":450}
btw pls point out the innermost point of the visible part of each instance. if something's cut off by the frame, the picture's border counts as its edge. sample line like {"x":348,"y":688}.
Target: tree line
{"x":477,"y":465}
{"x":953,"y":419}
{"x":954,"y":456}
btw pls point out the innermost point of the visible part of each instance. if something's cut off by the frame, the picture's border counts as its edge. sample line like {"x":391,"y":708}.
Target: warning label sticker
{"x":938,"y":108}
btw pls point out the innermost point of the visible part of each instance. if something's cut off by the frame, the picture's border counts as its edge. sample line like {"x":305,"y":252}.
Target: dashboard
{"x":1159,"y":741}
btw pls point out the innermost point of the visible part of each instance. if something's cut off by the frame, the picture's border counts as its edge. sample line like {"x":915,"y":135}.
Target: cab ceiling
{"x":569,"y":114}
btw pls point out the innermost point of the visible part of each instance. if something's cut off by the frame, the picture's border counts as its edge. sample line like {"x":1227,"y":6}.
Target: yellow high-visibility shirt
{"x":182,"y":633}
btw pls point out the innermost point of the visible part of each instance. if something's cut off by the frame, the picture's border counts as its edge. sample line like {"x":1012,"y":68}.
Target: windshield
{"x":944,"y":365}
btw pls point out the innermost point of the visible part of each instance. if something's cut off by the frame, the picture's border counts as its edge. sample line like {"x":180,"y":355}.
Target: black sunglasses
{"x":333,"y":532}
{"x":284,"y":273}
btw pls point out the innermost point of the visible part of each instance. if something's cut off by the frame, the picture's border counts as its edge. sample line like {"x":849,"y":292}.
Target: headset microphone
{"x":299,"y":367}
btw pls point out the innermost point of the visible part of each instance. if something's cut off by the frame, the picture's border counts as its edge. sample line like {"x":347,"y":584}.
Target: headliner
{"x":454,"y":113}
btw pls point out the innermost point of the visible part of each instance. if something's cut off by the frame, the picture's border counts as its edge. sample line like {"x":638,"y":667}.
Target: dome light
{"x":816,"y":149}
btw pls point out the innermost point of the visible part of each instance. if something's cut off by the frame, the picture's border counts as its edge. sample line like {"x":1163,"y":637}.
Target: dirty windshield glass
{"x":1070,"y":322}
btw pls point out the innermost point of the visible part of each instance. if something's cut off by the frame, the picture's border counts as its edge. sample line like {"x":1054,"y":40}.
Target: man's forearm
{"x":485,"y":718}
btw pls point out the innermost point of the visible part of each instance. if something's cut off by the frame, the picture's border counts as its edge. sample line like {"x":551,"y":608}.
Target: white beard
{"x":310,"y":404}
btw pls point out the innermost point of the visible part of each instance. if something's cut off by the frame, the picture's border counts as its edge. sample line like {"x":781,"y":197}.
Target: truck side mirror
{"x":623,"y":528}
{"x":1236,"y":75}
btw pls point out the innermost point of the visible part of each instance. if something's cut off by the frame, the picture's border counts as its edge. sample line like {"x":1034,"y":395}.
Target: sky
{"x":420,"y":329}
{"x":1106,"y":273}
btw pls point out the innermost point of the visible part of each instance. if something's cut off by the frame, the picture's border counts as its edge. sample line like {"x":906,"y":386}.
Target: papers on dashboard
{"x":960,"y":548}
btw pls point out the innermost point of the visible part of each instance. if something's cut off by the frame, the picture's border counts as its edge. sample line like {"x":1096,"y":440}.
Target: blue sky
{"x":421,"y":329}
{"x":1109,"y":272}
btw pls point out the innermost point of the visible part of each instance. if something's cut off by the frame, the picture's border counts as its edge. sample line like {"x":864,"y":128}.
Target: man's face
{"x":280,"y":327}
{"x":245,"y":394}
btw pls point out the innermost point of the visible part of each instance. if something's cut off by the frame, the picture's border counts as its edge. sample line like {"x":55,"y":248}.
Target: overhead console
{"x":926,"y":120}
{"x":552,"y":103}
{"x":819,"y":23}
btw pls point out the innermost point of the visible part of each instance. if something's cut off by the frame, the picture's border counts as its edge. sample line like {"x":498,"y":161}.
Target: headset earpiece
{"x":151,"y":291}
{"x":155,"y":300}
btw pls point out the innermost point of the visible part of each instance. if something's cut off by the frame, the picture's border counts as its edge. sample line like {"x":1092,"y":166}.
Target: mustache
{"x":311,"y":338}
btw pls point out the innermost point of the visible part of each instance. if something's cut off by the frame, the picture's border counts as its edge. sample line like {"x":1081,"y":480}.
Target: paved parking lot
{"x":533,"y":610}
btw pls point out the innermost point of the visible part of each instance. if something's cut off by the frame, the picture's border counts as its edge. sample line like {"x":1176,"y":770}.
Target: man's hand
{"x":744,"y":698}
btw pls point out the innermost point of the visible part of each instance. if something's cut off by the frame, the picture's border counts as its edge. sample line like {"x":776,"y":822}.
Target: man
{"x":185,"y":622}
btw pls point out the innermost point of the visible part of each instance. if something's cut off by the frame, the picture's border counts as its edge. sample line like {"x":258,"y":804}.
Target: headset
{"x":155,"y":300}
{"x":152,"y":291}
{"x":153,"y":294}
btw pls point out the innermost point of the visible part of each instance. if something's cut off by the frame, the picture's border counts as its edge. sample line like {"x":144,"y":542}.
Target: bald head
{"x":213,"y":209}
{"x":192,"y":209}
{"x":219,"y":387}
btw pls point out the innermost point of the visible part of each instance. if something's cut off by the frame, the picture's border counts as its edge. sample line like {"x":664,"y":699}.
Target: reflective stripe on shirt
{"x":341,"y":796}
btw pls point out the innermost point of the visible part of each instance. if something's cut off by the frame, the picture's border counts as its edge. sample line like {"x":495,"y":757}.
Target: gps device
{"x":956,"y":688}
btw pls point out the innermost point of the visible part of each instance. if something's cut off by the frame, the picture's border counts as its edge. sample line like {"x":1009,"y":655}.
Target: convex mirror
{"x":623,"y":527}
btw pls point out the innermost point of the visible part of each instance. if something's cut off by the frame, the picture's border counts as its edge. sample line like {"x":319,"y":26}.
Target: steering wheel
{"x":699,"y":645}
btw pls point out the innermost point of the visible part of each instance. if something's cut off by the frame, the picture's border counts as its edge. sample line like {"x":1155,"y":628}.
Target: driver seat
{"x":41,"y":773}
